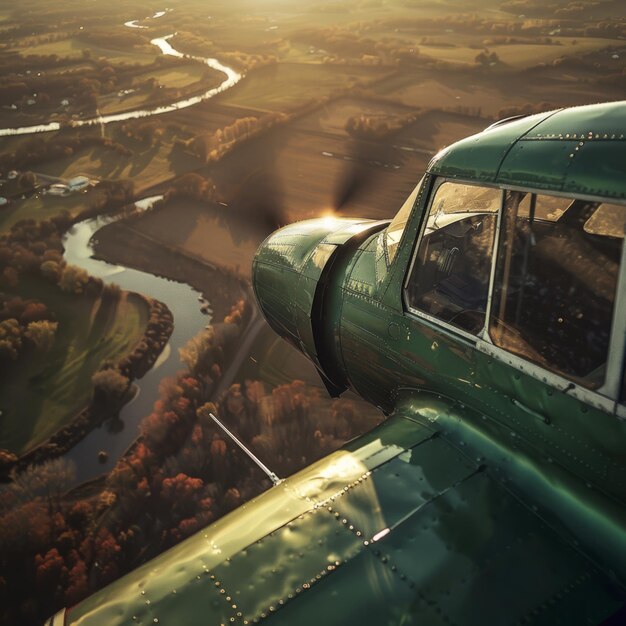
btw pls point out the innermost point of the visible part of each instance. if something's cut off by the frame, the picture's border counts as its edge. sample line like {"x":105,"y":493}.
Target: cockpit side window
{"x":450,"y":275}
{"x":394,"y":231}
{"x":555,"y":283}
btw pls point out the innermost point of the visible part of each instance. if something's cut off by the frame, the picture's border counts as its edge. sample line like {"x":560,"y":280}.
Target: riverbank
{"x":134,"y":366}
{"x":163,"y":43}
{"x":82,"y":441}
{"x":121,"y":243}
{"x":191,"y":313}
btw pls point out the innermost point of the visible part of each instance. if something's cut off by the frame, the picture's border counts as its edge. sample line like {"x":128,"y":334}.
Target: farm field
{"x":285,"y":86}
{"x":179,"y":77}
{"x":73,"y":48}
{"x":148,"y":165}
{"x":39,"y":207}
{"x":308,"y":159}
{"x":521,"y":55}
{"x":176,"y":84}
{"x":202,"y":232}
{"x":485,"y":93}
{"x":41,"y":395}
{"x":300,"y":168}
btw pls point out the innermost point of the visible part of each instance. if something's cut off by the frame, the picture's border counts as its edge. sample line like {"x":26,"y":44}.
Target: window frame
{"x":617,"y":362}
{"x":405,"y":300}
{"x":607,"y":396}
{"x":419,"y":188}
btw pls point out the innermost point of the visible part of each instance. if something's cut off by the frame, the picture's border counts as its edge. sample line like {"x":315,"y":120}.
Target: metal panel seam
{"x":506,"y":154}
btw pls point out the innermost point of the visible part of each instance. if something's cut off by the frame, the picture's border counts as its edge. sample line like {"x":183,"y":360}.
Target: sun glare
{"x":329,"y":220}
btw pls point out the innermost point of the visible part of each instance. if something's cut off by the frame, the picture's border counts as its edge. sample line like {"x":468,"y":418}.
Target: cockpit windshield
{"x":398,"y":224}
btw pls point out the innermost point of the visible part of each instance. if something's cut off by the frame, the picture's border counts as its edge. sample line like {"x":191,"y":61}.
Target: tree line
{"x":182,"y":474}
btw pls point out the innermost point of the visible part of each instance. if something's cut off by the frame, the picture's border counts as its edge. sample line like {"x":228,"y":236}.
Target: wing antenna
{"x":256,"y":459}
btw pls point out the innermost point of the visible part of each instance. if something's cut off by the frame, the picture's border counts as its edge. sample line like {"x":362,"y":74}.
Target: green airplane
{"x":487,"y":320}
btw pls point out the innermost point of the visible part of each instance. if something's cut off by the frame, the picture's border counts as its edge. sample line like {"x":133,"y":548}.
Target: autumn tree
{"x":107,"y":553}
{"x":204,"y":411}
{"x":194,"y":186}
{"x":34,"y":312}
{"x":112,"y":291}
{"x":374,"y":127}
{"x":10,"y":339}
{"x":73,"y":279}
{"x":50,"y":270}
{"x":42,"y":334}
{"x":51,"y":575}
{"x":110,"y":386}
{"x":486,"y":58}
{"x":180,"y":493}
{"x":78,"y":584}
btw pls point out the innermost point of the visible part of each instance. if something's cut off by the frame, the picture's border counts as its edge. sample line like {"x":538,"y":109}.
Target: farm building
{"x":78,"y":182}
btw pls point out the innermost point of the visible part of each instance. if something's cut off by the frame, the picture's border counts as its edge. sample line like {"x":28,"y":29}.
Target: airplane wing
{"x":402,"y":526}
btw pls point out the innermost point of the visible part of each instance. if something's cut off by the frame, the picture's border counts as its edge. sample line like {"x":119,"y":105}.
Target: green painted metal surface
{"x":171,"y":587}
{"x":479,"y":157}
{"x":404,"y":526}
{"x":488,"y":497}
{"x":291,"y":261}
{"x":577,"y":150}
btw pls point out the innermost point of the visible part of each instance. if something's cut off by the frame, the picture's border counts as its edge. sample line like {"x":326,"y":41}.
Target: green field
{"x":193,"y":79}
{"x":41,"y":207}
{"x":75,"y":47}
{"x":487,"y":90}
{"x":286,"y":85}
{"x":515,"y":55}
{"x":178,"y":77}
{"x":148,"y":166}
{"x":40,"y":394}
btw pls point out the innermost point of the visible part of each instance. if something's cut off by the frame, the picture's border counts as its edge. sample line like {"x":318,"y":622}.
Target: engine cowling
{"x":295,"y":272}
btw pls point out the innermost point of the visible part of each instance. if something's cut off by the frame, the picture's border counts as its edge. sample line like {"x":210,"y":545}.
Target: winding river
{"x":231,"y":79}
{"x":183,"y":302}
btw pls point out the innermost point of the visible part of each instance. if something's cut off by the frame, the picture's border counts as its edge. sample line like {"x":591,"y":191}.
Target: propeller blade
{"x":352,"y":183}
{"x":365,"y":160}
{"x":259,"y":203}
